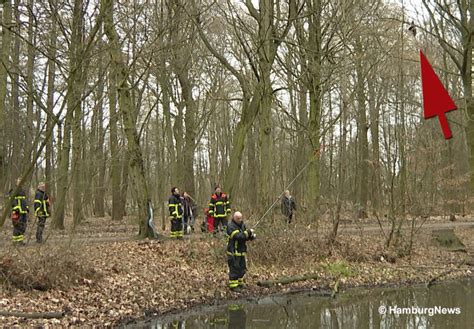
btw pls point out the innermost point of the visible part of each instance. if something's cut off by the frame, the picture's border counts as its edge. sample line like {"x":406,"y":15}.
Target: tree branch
{"x":253,"y":12}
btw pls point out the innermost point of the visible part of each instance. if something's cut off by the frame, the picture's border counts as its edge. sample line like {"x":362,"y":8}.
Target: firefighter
{"x":236,"y":249}
{"x":19,"y":214}
{"x":176,"y":214}
{"x":41,"y":205}
{"x":219,"y":209}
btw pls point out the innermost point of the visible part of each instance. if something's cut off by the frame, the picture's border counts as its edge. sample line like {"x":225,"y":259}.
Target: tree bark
{"x":75,"y":89}
{"x":50,"y":182}
{"x":98,"y":156}
{"x":30,"y":83}
{"x":19,"y":139}
{"x":266,"y":55}
{"x":128,"y":113}
{"x":115,"y":169}
{"x":375,"y":154}
{"x":63,"y":173}
{"x":190,"y":131}
{"x":362,"y":127}
{"x":5,"y":60}
{"x":314,"y":84}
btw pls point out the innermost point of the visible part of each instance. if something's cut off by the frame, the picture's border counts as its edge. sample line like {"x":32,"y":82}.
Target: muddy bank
{"x":134,"y":280}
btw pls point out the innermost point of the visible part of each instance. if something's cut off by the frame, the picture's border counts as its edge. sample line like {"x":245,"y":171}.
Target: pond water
{"x":445,"y":305}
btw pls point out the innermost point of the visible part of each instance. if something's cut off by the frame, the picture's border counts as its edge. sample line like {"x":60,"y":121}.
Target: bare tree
{"x":128,"y":114}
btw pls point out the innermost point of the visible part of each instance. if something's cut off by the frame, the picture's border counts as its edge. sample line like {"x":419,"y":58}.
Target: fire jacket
{"x":238,"y":235}
{"x":175,"y":207}
{"x":219,"y":206}
{"x":41,"y":204}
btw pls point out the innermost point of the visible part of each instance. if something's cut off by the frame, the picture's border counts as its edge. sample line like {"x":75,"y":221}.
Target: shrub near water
{"x":44,"y":268}
{"x":274,"y":246}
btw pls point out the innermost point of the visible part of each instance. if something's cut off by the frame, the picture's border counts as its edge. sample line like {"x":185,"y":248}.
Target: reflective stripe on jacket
{"x":219,"y":206}
{"x":175,"y":207}
{"x":237,"y":235}
{"x":18,"y":203}
{"x":41,"y":204}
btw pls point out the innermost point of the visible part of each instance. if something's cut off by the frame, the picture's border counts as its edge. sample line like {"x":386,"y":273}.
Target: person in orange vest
{"x":219,"y":209}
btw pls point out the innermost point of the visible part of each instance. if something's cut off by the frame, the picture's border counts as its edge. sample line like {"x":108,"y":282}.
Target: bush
{"x":275,"y":247}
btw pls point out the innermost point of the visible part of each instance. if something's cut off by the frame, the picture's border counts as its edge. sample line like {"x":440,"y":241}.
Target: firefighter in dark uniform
{"x":219,"y":209}
{"x":19,"y":214}
{"x":176,"y":214}
{"x":236,"y":249}
{"x":41,"y":205}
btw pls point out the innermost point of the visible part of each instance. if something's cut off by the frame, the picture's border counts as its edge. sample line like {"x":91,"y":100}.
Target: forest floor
{"x":101,"y":276}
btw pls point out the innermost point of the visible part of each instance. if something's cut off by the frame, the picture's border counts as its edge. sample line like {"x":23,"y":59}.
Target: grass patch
{"x":339,"y":269}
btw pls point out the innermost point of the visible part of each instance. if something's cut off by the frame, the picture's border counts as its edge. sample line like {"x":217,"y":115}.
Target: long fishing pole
{"x":281,"y":194}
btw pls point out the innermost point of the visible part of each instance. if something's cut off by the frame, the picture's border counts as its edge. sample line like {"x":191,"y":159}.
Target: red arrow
{"x":436,"y":100}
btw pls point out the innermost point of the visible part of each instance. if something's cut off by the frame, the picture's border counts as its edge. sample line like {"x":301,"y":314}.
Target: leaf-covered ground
{"x":111,"y":282}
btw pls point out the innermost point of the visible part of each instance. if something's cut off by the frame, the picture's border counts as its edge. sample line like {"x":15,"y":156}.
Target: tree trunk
{"x":166,"y":103}
{"x":266,"y":55}
{"x":5,"y":59}
{"x":342,"y":163}
{"x":98,"y":156}
{"x":115,"y":170}
{"x":178,"y":133}
{"x":314,"y":84}
{"x":63,"y":173}
{"x":128,"y":113}
{"x":30,"y":84}
{"x":252,"y":177}
{"x":249,"y":113}
{"x":50,"y":182}
{"x":190,"y":132}
{"x":24,"y":136}
{"x":75,"y":88}
{"x":374,"y":134}
{"x":362,"y":127}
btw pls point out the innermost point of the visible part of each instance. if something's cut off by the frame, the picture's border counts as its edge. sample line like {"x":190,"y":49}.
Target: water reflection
{"x":355,"y":309}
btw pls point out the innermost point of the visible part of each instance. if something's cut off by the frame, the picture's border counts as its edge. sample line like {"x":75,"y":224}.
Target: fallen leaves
{"x":103,"y":284}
